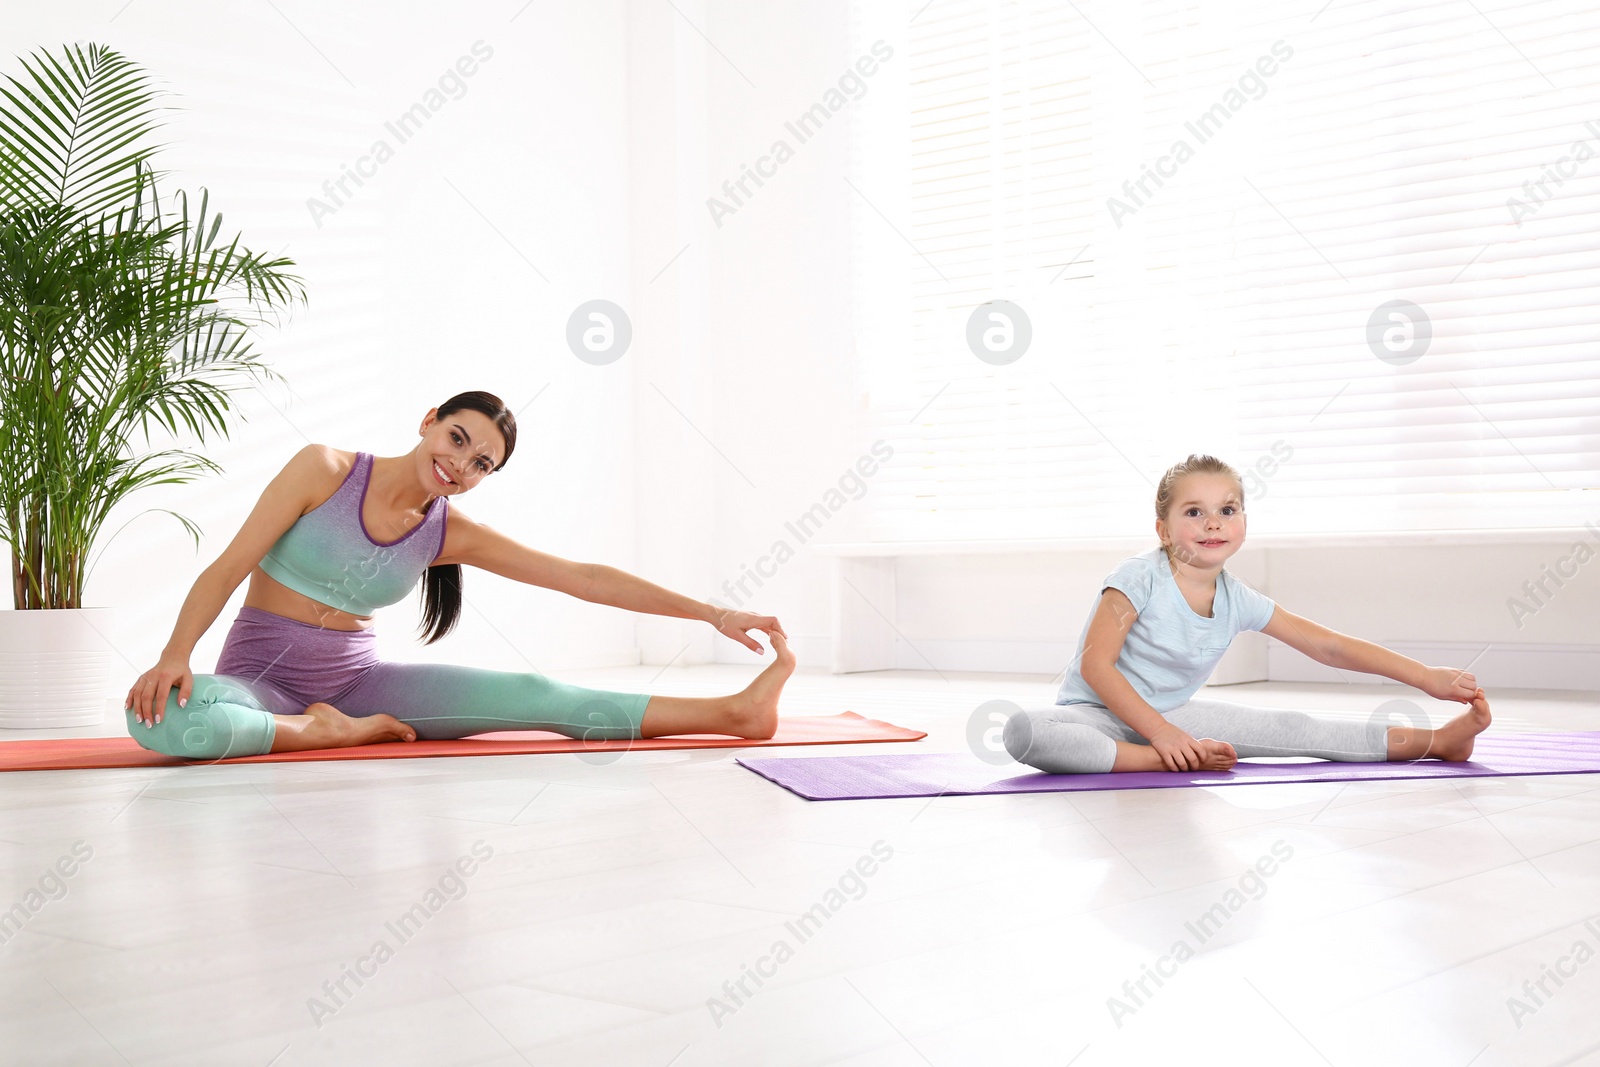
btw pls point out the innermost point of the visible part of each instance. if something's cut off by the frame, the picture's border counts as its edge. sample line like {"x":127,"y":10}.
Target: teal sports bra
{"x":328,"y":556}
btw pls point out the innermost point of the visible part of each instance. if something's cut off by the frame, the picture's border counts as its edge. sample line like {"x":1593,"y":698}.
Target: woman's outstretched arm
{"x":1344,"y":652}
{"x":483,"y":546}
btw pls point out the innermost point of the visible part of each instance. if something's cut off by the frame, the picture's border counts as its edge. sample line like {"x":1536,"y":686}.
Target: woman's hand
{"x":1178,"y":750}
{"x":1449,"y":683}
{"x":148,"y":697}
{"x":734,"y":624}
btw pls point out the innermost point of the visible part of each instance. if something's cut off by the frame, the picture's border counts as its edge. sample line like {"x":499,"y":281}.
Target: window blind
{"x":1352,"y":255}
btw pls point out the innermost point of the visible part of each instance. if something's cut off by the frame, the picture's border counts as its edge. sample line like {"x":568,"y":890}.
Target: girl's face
{"x":465,"y":446}
{"x":1205,"y":524}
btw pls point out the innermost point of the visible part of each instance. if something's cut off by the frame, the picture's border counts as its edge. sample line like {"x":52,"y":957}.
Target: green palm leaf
{"x":113,"y":314}
{"x":75,"y":134}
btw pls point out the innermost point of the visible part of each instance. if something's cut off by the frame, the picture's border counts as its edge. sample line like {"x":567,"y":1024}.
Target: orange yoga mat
{"x":84,"y":752}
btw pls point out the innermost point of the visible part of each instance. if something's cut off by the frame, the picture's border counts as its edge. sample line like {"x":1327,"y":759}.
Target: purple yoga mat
{"x":962,"y":774}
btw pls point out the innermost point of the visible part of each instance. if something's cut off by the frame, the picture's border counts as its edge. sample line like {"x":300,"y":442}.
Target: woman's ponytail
{"x":441,"y":600}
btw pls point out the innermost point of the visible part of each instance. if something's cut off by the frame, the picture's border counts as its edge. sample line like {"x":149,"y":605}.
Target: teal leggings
{"x":231,"y":714}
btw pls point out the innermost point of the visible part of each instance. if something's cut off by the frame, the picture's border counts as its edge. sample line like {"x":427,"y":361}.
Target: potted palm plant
{"x":113,"y":312}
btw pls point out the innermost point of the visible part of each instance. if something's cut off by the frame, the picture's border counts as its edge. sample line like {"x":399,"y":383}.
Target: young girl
{"x":299,"y":668}
{"x":1165,"y":618}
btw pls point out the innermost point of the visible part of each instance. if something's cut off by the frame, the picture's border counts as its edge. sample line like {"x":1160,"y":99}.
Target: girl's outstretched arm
{"x":1344,"y":652}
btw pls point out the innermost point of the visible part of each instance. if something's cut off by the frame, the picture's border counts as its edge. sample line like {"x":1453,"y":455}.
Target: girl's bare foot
{"x":1214,"y":756}
{"x":325,"y":726}
{"x":1454,"y":740}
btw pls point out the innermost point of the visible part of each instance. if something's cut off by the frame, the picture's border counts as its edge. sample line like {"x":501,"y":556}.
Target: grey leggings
{"x":1081,"y":738}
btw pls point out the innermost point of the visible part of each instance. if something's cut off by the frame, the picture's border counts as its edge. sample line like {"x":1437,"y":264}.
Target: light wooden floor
{"x":618,"y":898}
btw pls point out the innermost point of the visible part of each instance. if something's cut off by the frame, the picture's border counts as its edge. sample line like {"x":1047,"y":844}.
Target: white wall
{"x":780,"y":337}
{"x":413,"y":295}
{"x":591,"y":141}
{"x":673,"y":392}
{"x":782,"y":348}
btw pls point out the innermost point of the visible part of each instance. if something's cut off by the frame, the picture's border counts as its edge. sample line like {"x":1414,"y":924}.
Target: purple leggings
{"x":271,"y":665}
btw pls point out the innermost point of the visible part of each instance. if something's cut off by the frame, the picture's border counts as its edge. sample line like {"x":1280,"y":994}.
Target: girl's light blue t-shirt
{"x":1170,"y":651}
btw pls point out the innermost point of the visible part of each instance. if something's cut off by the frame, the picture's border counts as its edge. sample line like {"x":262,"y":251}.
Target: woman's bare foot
{"x":325,"y":726}
{"x":750,"y":713}
{"x":756,"y":709}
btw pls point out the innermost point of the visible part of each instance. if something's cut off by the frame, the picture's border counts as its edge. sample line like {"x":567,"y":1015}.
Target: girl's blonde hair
{"x":1197,"y":463}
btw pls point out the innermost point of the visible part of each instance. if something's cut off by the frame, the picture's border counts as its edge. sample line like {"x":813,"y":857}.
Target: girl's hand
{"x":148,"y":697}
{"x":1449,"y":683}
{"x":1177,"y":749}
{"x":734,"y":624}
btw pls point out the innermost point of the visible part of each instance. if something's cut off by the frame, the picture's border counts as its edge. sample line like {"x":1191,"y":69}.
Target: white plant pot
{"x":55,"y":668}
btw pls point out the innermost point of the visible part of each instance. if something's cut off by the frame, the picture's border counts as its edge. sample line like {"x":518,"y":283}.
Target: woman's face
{"x":1205,"y":524}
{"x":464,"y":445}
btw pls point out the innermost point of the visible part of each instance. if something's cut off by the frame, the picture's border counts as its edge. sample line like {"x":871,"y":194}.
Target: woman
{"x":299,"y":669}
